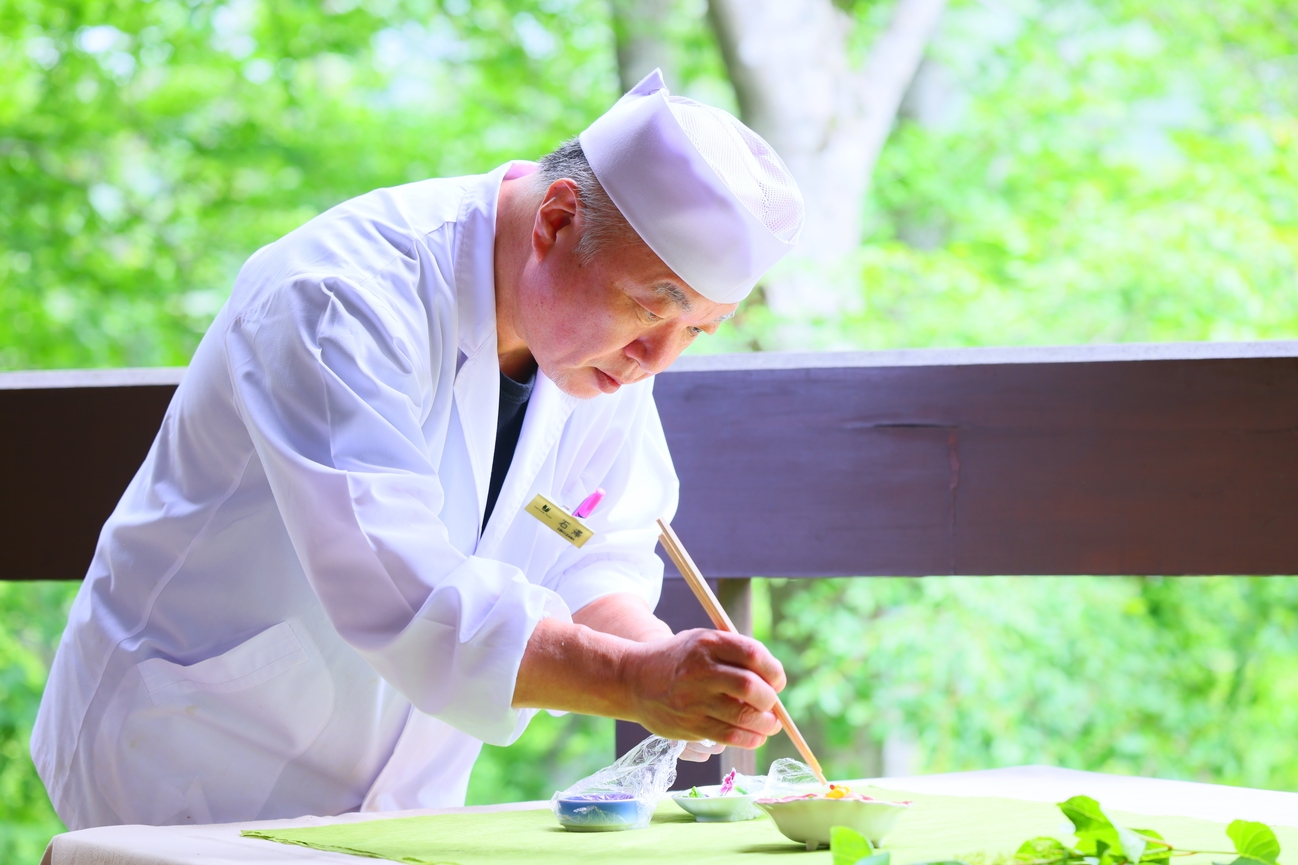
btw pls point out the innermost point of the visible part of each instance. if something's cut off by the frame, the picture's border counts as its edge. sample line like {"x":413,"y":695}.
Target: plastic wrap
{"x":788,"y":777}
{"x":623,"y":795}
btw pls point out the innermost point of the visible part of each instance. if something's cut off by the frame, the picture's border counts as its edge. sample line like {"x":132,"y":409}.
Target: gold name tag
{"x":571,"y":529}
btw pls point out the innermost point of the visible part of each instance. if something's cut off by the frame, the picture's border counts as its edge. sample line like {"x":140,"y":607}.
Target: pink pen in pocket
{"x":588,"y":505}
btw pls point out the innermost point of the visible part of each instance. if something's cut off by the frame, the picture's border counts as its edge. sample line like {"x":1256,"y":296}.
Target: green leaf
{"x":1043,"y":850}
{"x":1099,"y":836}
{"x":694,"y":793}
{"x":848,"y":846}
{"x":1096,"y":834}
{"x":1254,"y":840}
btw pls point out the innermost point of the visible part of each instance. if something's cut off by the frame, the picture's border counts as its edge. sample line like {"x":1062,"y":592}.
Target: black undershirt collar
{"x":509,"y":423}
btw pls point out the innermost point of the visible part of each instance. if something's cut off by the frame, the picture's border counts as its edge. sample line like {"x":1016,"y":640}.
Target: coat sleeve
{"x":334,"y":389}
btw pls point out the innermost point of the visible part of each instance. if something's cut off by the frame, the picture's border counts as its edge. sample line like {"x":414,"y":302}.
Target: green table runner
{"x":936,"y":827}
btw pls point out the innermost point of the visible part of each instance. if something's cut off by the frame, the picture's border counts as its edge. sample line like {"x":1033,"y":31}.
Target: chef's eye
{"x":695,"y":331}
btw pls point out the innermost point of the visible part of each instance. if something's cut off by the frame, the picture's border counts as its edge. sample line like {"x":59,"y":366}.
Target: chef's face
{"x":617,"y":318}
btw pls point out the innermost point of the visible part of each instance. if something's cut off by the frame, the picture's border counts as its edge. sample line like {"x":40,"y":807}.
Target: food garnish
{"x":836,"y":791}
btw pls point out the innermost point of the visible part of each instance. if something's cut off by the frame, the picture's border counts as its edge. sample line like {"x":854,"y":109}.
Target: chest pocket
{"x":208,"y":741}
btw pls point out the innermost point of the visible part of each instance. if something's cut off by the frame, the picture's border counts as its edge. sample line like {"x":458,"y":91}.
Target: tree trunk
{"x":788,"y":61}
{"x":640,"y":33}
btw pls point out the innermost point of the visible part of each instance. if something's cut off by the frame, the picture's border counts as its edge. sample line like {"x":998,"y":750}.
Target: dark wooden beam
{"x":71,"y":442}
{"x":1177,"y":459}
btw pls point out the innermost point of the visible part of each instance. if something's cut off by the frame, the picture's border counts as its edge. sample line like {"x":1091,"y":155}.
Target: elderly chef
{"x":321,"y":592}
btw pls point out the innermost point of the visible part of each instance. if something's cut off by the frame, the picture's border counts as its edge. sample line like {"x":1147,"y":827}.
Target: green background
{"x":1107,"y":170}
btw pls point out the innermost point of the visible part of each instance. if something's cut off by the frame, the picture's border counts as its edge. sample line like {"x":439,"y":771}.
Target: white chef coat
{"x":292,"y":610}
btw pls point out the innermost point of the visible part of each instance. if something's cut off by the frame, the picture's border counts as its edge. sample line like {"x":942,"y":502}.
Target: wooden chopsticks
{"x":721,"y":620}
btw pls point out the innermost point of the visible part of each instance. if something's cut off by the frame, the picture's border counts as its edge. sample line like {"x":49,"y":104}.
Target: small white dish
{"x":808,"y":821}
{"x":712,"y":808}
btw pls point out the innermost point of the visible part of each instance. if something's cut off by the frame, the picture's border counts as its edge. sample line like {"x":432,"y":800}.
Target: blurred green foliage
{"x":147,"y":148}
{"x":1076,"y":171}
{"x":1105,"y":182}
{"x":31,"y":619}
{"x":1187,"y":677}
{"x":553,"y":753}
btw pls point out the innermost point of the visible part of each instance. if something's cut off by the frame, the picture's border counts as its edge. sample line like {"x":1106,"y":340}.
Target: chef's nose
{"x":652,"y":352}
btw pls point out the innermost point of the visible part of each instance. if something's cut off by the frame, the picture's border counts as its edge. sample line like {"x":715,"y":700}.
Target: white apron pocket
{"x":206,"y":742}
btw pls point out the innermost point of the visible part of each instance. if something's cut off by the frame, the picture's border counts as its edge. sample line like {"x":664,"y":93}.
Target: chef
{"x":321,"y":591}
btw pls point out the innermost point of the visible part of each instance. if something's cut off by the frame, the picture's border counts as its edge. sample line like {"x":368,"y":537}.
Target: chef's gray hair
{"x":604,"y":225}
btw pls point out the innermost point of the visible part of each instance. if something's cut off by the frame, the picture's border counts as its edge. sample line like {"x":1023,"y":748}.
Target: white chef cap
{"x":705,"y":192}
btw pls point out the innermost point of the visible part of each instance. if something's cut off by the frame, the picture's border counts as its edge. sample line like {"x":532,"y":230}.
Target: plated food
{"x":808,"y":818}
{"x":727,"y":802}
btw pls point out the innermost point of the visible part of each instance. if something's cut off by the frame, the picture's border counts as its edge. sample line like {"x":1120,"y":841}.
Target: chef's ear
{"x":556,"y":215}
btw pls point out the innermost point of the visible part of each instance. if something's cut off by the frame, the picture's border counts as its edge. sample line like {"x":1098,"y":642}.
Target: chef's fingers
{"x":732,"y":736}
{"x":735,"y":737}
{"x":746,"y":686}
{"x":745,"y":716}
{"x":715,"y":721}
{"x":750,"y":654}
{"x":698,"y":752}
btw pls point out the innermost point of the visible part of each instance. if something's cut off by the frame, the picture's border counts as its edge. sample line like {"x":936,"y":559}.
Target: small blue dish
{"x":608,"y":812}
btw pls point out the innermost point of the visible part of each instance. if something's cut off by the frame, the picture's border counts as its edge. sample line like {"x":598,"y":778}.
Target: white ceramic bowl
{"x":711,"y":808}
{"x":809,"y":820}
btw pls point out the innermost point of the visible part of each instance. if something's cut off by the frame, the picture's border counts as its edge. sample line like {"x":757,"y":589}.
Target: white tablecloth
{"x":1117,"y":792}
{"x":221,"y":844}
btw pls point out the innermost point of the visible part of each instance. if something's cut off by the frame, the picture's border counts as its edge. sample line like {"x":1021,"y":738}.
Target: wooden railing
{"x":1136,"y":459}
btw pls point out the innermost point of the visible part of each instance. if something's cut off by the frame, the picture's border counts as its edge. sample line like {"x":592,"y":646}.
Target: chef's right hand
{"x":704,"y":684}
